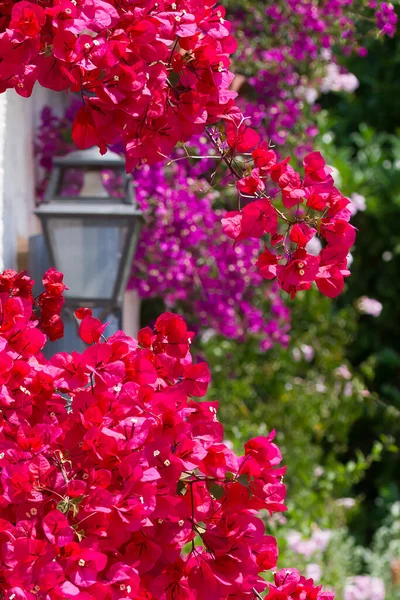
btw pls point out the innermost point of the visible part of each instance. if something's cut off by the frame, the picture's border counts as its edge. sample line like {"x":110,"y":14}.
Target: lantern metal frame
{"x":93,"y":209}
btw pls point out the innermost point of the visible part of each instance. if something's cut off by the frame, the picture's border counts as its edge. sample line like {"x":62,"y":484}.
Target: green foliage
{"x":382,"y":559}
{"x":375,"y":102}
{"x":343,"y":559}
{"x":370,"y":165}
{"x":312,"y":404}
{"x":337,"y":562}
{"x":361,"y":140}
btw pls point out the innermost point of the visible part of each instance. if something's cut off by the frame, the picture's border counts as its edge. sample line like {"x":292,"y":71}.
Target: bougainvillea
{"x":149,"y":73}
{"x":175,"y":260}
{"x":156,"y":74}
{"x":115,"y":482}
{"x":386,"y":17}
{"x":312,"y":208}
{"x":290,"y":52}
{"x":185,"y":258}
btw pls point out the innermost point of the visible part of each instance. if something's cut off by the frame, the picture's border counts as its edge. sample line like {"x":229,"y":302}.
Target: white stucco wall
{"x":3,"y":113}
{"x":19,"y":119}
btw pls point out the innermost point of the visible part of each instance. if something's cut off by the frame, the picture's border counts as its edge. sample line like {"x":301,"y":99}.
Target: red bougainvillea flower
{"x":332,"y":270}
{"x":240,"y":137}
{"x":256,"y":219}
{"x":299,"y":272}
{"x":50,"y":303}
{"x":251,"y":185}
{"x":267,"y":264}
{"x":115,"y":482}
{"x":91,"y":329}
{"x":150,"y":74}
{"x":325,"y":216}
{"x":290,"y":584}
{"x":264,"y":158}
{"x":316,"y":170}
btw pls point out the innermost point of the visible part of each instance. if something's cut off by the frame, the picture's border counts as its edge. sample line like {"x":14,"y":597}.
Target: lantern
{"x":91,"y":237}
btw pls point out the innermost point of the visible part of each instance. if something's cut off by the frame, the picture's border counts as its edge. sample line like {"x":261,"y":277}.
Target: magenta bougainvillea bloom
{"x":155,"y":74}
{"x":150,"y":73}
{"x":326,"y":212}
{"x":290,"y":53}
{"x":115,"y":481}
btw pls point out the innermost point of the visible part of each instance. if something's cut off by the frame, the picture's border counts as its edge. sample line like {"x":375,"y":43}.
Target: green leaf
{"x":181,"y":488}
{"x":216,"y":490}
{"x":63,"y":506}
{"x":244,"y":480}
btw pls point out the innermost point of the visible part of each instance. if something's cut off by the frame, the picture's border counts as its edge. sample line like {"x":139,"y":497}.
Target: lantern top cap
{"x":90,"y":158}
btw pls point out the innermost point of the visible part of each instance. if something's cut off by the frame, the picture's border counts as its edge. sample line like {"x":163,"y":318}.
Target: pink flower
{"x":298,"y":273}
{"x":101,"y":496}
{"x":369,"y":306}
{"x":364,"y":587}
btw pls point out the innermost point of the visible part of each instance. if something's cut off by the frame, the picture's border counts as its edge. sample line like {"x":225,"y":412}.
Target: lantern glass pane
{"x":89,"y":253}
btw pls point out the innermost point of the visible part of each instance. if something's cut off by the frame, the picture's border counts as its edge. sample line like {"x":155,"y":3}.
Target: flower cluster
{"x":174,"y":259}
{"x":151,"y":73}
{"x":386,"y":17}
{"x":50,"y":303}
{"x":20,"y":311}
{"x":364,"y":587}
{"x":115,"y":483}
{"x":313,"y":207}
{"x":185,"y":258}
{"x":318,"y":542}
{"x":289,"y":53}
{"x":369,"y":306}
{"x":289,"y":584}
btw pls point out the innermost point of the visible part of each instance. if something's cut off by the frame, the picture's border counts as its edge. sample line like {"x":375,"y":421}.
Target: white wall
{"x":19,"y":119}
{"x":3,"y":113}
